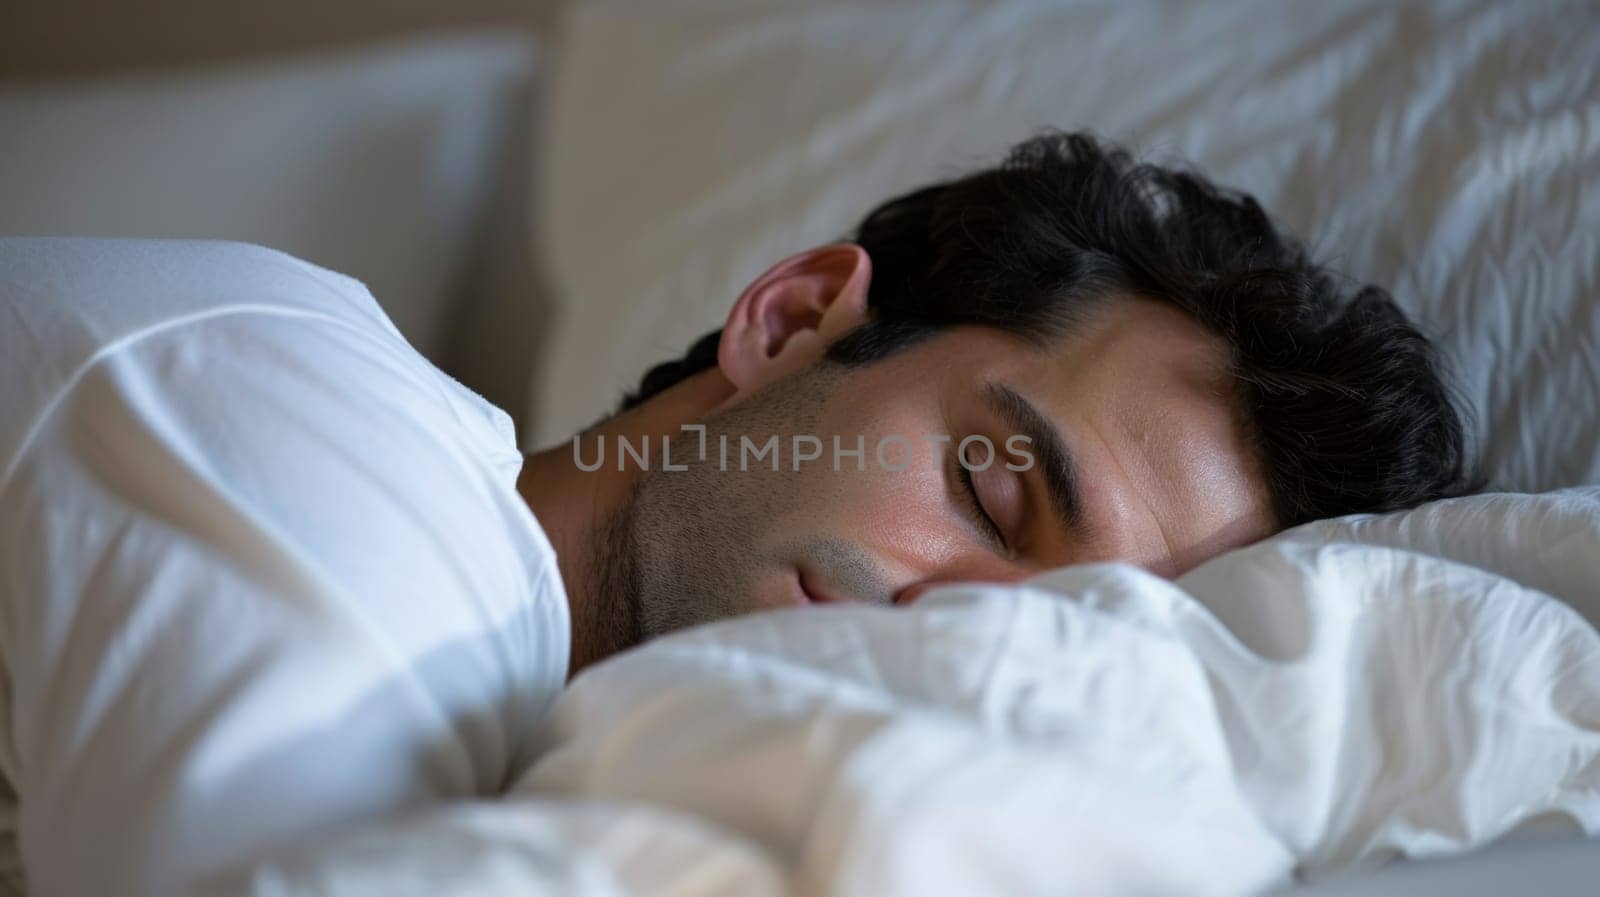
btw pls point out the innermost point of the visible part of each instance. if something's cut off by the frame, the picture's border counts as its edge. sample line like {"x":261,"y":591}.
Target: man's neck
{"x":572,"y":503}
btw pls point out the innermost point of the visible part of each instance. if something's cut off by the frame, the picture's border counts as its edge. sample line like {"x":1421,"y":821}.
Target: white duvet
{"x":1410,"y":684}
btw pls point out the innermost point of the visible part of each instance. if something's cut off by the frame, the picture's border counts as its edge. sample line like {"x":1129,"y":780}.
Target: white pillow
{"x":381,"y":164}
{"x":1438,"y":149}
{"x":1348,"y":693}
{"x":1351,"y":691}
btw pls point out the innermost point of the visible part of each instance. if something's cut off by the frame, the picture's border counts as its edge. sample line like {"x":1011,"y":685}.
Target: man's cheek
{"x":905,"y":520}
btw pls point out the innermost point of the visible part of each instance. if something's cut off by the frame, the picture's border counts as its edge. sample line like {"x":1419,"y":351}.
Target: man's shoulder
{"x":282,"y":444}
{"x":124,"y":284}
{"x":280,"y":408}
{"x":70,"y":303}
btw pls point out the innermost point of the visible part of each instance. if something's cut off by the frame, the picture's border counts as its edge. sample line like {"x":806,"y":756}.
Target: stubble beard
{"x":678,"y":551}
{"x":614,"y":623}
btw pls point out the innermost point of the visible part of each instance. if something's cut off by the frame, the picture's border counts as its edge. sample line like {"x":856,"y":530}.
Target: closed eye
{"x":969,"y":494}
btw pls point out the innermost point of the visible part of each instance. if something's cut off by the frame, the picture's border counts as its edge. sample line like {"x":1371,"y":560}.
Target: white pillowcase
{"x":383,"y":164}
{"x":1440,"y":149}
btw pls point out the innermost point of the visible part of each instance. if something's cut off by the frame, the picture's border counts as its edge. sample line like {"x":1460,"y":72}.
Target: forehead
{"x":1141,"y":395}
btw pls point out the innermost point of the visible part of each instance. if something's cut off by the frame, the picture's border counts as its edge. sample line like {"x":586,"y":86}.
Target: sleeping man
{"x":268,"y":573}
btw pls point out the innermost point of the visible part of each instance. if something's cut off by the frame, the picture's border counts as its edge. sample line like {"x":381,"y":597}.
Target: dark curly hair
{"x":1342,"y":395}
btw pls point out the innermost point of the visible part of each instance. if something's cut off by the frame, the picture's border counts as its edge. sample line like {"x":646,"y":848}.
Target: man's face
{"x":1132,"y":448}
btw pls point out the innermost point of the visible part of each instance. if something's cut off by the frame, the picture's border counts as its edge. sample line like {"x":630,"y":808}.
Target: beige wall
{"x":44,"y":38}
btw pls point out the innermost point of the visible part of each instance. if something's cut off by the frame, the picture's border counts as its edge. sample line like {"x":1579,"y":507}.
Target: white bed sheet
{"x":1415,"y":685}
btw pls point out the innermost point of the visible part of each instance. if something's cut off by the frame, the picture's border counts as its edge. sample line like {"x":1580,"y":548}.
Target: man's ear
{"x":787,"y":317}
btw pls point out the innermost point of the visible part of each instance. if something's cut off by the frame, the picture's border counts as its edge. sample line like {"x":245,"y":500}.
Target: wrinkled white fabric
{"x":525,"y":848}
{"x":264,"y":571}
{"x":1305,"y":706}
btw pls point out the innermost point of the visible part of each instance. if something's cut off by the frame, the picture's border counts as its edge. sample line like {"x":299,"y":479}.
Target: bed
{"x":1320,"y":714}
{"x":1404,"y":704}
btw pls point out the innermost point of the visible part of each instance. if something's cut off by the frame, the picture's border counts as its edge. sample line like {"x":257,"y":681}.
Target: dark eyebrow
{"x":1050,"y":452}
